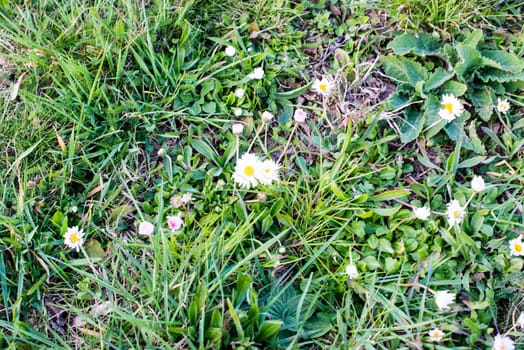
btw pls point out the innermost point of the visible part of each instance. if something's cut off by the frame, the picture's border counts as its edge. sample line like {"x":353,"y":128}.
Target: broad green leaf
{"x":59,"y":220}
{"x":482,"y":103}
{"x":421,"y":44}
{"x":412,"y":125}
{"x":426,"y":162}
{"x":474,"y":38}
{"x":506,"y":61}
{"x":431,"y":108}
{"x":399,"y":100}
{"x":394,"y":68}
{"x":392,"y":265}
{"x":415,"y":71}
{"x":491,"y":74}
{"x":388,"y":195}
{"x":454,"y":88}
{"x":437,"y":78}
{"x":519,"y":124}
{"x":469,"y":57}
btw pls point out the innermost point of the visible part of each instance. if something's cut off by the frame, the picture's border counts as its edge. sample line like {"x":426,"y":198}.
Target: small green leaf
{"x":288,"y":95}
{"x":204,"y":149}
{"x":94,"y":249}
{"x":470,"y":58}
{"x":268,"y":330}
{"x":385,"y":211}
{"x":394,"y":68}
{"x":60,"y":221}
{"x":389,"y":195}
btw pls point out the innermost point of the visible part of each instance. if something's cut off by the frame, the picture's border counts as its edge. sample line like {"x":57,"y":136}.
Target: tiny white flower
{"x":239,"y":92}
{"x":323,"y":86}
{"x":299,"y":115}
{"x":503,"y":343}
{"x":187,"y":197}
{"x":161,"y":152}
{"x":268,"y":172}
{"x":451,"y":108}
{"x":258,"y":74}
{"x":266,"y":117}
{"x":478,"y":184}
{"x":74,"y":209}
{"x":237,"y":111}
{"x":516,"y":246}
{"x":422,"y":213}
{"x":352,"y":271}
{"x":443,"y":299}
{"x":237,"y":129}
{"x":246,"y":170}
{"x":520,"y":320}
{"x":175,"y":223}
{"x":146,"y":228}
{"x":74,"y":238}
{"x":282,"y":250}
{"x":502,"y":105}
{"x":455,"y":213}
{"x":230,"y":51}
{"x":435,"y":335}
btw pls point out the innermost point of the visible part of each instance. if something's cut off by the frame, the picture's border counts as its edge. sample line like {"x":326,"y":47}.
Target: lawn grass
{"x":124,"y":107}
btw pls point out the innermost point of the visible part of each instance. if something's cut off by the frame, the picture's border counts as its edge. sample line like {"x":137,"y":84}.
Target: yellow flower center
{"x":249,"y":170}
{"x":267,"y":170}
{"x":323,"y":87}
{"x":448,"y":107}
{"x":456,"y":214}
{"x":518,"y":248}
{"x":436,"y":334}
{"x":75,"y":238}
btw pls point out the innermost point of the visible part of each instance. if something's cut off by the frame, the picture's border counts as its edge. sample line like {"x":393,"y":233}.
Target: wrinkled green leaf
{"x":421,"y":44}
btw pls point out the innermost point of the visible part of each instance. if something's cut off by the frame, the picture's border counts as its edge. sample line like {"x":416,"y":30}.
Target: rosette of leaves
{"x":424,"y":69}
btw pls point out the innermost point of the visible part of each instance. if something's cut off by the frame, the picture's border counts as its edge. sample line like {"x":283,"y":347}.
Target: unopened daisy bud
{"x":299,"y":115}
{"x":266,"y":117}
{"x":187,"y":197}
{"x":502,"y":342}
{"x":230,"y":51}
{"x":161,"y":152}
{"x":258,"y":74}
{"x":237,"y":111}
{"x":146,"y":228}
{"x":422,"y":213}
{"x":237,"y":129}
{"x":478,"y":184}
{"x":282,"y":250}
{"x":261,"y":196}
{"x":520,"y":320}
{"x":351,"y":271}
{"x":239,"y":92}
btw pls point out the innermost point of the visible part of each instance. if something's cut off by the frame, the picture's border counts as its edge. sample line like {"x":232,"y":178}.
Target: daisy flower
{"x":258,"y":74}
{"x":323,"y":86}
{"x":503,"y":343}
{"x":299,"y":115}
{"x":455,"y":213}
{"x":478,"y":184}
{"x":175,"y":223}
{"x":421,"y":213}
{"x":246,"y":169}
{"x":230,"y":51}
{"x":74,"y":238}
{"x":516,"y":246}
{"x":146,"y":228}
{"x":451,"y":108}
{"x":443,"y":299}
{"x":176,"y":201}
{"x":502,"y":105}
{"x":435,"y":334}
{"x":269,"y":172}
{"x":187,"y":197}
{"x":351,"y":271}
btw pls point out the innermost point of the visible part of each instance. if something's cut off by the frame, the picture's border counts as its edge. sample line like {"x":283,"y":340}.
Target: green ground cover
{"x":261,"y":174}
